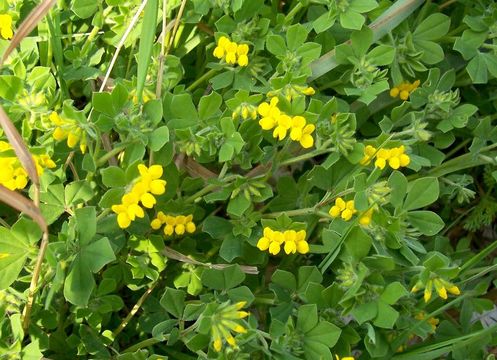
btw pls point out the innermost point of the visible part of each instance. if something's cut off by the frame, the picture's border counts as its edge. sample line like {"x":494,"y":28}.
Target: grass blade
{"x":27,"y":26}
{"x":146,"y":43}
{"x":19,"y":202}
{"x":381,"y":26}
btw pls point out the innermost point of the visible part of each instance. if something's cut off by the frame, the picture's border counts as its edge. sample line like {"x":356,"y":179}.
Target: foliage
{"x":249,"y":179}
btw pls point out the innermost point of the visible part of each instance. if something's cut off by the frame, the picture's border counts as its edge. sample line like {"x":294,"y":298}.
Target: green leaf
{"x":362,"y":6}
{"x":226,"y":152}
{"x":77,"y":192}
{"x":422,"y":192}
{"x":241,"y":293}
{"x":381,"y":55}
{"x":209,"y":105}
{"x":224,"y":279}
{"x":84,"y":8}
{"x":398,"y":184}
{"x":284,"y":279}
{"x":86,"y":223}
{"x":179,"y":111}
{"x":427,"y":222}
{"x":231,"y":247}
{"x":295,"y":36}
{"x":477,"y":69}
{"x":238,"y":205}
{"x":159,"y":138}
{"x":307,"y":317}
{"x":14,"y":250}
{"x":358,"y":243}
{"x":432,"y":52}
{"x":352,"y":20}
{"x":276,"y":45}
{"x":365,"y":312}
{"x":147,"y":37}
{"x":324,"y":333}
{"x":91,"y":258}
{"x":113,"y":176}
{"x":79,"y":282}
{"x":307,"y":274}
{"x":173,"y":301}
{"x":387,"y":316}
{"x":433,"y":27}
{"x":393,"y":292}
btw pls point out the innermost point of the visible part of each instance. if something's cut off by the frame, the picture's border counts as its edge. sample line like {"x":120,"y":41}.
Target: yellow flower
{"x":220,"y":49}
{"x":231,"y":53}
{"x":6,"y":26}
{"x":291,"y":240}
{"x":369,"y":152}
{"x":404,"y":89}
{"x":343,"y":209}
{"x":307,"y":140}
{"x":68,"y":129}
{"x":395,"y":158}
{"x":242,"y":51}
{"x":270,"y":114}
{"x":155,"y":224}
{"x":283,"y":125}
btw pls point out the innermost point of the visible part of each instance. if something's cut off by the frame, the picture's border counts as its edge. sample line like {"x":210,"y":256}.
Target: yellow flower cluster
{"x":174,"y":224}
{"x":6,"y":26}
{"x":143,"y":191}
{"x":68,"y":129}
{"x":224,"y":321}
{"x":273,"y":117}
{"x":231,"y":51}
{"x":441,"y":286}
{"x":12,"y":175}
{"x":396,"y":157}
{"x":404,"y":89}
{"x":245,"y":111}
{"x":292,"y":241}
{"x":346,"y":209}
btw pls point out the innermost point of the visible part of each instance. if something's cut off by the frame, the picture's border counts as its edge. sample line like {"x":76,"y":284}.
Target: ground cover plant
{"x":248,"y":179}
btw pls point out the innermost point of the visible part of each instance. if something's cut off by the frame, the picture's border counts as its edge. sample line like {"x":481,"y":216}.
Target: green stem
{"x":201,"y":79}
{"x":144,"y":343}
{"x":134,"y":310}
{"x":110,"y":154}
{"x":297,"y":212}
{"x":207,"y":190}
{"x":289,"y":17}
{"x":306,"y":156}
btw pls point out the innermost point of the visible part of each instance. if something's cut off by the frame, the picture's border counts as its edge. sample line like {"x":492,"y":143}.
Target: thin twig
{"x":34,"y":282}
{"x":134,"y":310}
{"x":175,"y":255}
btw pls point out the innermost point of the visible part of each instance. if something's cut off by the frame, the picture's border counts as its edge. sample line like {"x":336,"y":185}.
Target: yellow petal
{"x":179,"y":229}
{"x":274,"y":248}
{"x":263,"y":243}
{"x":123,"y":220}
{"x":242,"y":49}
{"x":155,"y":224}
{"x":307,"y":141}
{"x":243,"y":61}
{"x":148,"y":200}
{"x":303,"y":247}
{"x":190,"y":227}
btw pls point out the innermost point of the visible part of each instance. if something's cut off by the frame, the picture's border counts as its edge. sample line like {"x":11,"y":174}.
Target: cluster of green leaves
{"x":135,"y":293}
